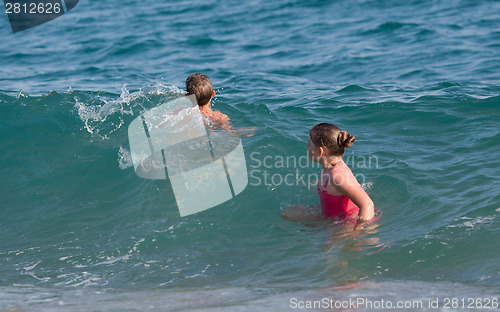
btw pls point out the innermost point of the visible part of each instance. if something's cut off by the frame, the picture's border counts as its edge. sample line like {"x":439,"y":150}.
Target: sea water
{"x":415,"y":82}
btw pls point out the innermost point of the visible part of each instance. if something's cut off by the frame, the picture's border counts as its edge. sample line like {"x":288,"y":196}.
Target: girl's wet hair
{"x":331,"y":137}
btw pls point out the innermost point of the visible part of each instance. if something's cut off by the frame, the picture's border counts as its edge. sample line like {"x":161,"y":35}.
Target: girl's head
{"x":328,"y":140}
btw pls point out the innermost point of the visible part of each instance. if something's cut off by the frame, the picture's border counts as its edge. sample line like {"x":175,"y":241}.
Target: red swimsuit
{"x":336,"y":206}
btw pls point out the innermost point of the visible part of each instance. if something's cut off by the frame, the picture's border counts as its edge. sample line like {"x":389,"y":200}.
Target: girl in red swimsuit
{"x":340,"y":194}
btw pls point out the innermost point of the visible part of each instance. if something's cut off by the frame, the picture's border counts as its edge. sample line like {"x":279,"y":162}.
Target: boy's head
{"x":201,"y":86}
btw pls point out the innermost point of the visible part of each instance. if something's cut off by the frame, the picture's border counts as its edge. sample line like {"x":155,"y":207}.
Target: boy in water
{"x":200,"y":86}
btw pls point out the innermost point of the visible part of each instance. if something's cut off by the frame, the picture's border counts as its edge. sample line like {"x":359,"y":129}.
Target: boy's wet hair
{"x":331,"y":137}
{"x":201,"y":86}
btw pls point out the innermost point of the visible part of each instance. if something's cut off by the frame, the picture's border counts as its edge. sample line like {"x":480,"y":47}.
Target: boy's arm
{"x":359,"y":197}
{"x":248,"y":132}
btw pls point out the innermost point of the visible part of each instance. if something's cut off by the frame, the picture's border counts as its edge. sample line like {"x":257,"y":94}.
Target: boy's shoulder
{"x":218,"y":117}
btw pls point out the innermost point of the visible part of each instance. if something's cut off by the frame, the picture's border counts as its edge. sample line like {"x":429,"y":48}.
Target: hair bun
{"x":345,"y":140}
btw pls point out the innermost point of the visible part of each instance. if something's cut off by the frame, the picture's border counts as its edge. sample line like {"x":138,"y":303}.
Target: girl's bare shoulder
{"x":342,"y":174}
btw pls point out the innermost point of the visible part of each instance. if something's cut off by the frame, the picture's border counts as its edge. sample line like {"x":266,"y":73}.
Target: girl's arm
{"x":347,"y":187}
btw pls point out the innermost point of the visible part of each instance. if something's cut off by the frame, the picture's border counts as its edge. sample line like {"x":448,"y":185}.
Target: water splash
{"x":367,"y":186}
{"x":103,"y":114}
{"x":124,"y":158}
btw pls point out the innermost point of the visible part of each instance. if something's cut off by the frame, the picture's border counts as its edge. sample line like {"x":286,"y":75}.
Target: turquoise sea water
{"x":416,"y":82}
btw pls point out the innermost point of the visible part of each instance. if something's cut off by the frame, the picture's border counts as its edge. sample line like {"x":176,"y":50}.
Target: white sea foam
{"x":85,"y":279}
{"x":28,"y":271}
{"x":134,"y":248}
{"x":112,"y":260}
{"x":478,"y":220}
{"x":472,"y":222}
{"x":31,"y":267}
